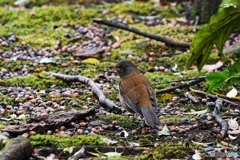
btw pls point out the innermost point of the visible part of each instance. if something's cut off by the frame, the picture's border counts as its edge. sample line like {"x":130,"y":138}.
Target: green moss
{"x":133,"y":8}
{"x":177,"y":118}
{"x":65,"y":141}
{"x":169,"y":150}
{"x":43,"y":27}
{"x":13,"y":65}
{"x":123,"y":121}
{"x":160,"y":80}
{"x":34,"y":80}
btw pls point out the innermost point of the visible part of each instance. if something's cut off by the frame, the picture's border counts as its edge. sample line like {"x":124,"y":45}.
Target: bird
{"x":136,"y":93}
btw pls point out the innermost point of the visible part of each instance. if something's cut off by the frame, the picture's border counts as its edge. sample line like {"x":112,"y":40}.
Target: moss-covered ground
{"x":44,"y":24}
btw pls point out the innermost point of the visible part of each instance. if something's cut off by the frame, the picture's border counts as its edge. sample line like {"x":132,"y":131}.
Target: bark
{"x":205,"y":9}
{"x":166,"y":40}
{"x":50,"y":123}
{"x":223,"y":124}
{"x":103,"y":101}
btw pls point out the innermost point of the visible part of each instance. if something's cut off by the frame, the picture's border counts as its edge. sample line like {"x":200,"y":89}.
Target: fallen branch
{"x":167,"y":41}
{"x":103,"y":101}
{"x":181,"y":86}
{"x":223,"y":124}
{"x":42,"y":124}
{"x":213,"y":96}
{"x":191,"y":97}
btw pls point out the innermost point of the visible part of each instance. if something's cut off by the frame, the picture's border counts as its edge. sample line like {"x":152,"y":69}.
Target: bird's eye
{"x":122,"y":67}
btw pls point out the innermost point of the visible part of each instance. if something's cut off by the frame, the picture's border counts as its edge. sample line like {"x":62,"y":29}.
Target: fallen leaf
{"x":202,"y":144}
{"x":174,"y":68}
{"x":68,"y":149}
{"x":232,"y":137}
{"x":232,"y":93}
{"x":108,"y":141}
{"x":197,"y":112}
{"x":213,"y":67}
{"x":107,"y":154}
{"x":47,"y":60}
{"x":164,"y":131}
{"x":89,"y":52}
{"x":91,"y":61}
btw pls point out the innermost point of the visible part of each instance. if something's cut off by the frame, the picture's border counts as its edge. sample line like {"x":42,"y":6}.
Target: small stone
{"x":134,"y":131}
{"x":84,"y":107}
{"x":145,"y":152}
{"x":204,"y":100}
{"x":64,"y":65}
{"x":31,"y":133}
{"x":150,"y":59}
{"x":80,"y":131}
{"x":193,"y":120}
{"x":82,"y":124}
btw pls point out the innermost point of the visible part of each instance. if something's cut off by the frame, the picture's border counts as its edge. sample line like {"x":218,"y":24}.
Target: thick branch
{"x":167,"y":41}
{"x":105,"y":102}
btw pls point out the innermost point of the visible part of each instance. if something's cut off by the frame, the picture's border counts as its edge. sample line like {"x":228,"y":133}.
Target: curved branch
{"x":105,"y":102}
{"x":167,"y":41}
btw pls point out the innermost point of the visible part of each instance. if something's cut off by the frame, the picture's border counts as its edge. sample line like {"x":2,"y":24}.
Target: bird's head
{"x":125,"y":68}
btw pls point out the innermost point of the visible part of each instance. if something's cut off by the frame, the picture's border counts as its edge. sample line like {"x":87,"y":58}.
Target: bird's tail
{"x":151,"y":118}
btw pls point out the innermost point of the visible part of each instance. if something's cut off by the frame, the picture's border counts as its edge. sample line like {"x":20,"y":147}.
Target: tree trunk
{"x":205,"y":9}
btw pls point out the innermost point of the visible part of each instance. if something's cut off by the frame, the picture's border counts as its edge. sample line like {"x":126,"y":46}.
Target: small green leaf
{"x":214,"y":76}
{"x":238,"y":67}
{"x":216,"y":84}
{"x":233,"y":80}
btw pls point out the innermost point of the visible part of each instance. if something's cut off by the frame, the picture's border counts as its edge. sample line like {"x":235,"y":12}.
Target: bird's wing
{"x":152,"y":97}
{"x":147,"y":100}
{"x":131,"y":99}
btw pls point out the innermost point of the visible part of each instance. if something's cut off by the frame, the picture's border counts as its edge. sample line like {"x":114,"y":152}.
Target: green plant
{"x":216,"y":32}
{"x":228,"y":77}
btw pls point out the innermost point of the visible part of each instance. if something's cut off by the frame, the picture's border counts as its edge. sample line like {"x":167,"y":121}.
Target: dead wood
{"x":181,"y":86}
{"x":213,"y":96}
{"x":223,"y":124}
{"x":50,"y":123}
{"x":19,"y":148}
{"x":103,"y":149}
{"x":167,"y":41}
{"x":103,"y":101}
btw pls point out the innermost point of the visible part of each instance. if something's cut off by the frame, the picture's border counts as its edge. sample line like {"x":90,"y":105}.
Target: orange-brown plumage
{"x":136,"y":93}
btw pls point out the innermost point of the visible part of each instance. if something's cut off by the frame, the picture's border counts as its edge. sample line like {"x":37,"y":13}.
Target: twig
{"x":193,"y":99}
{"x":223,"y":124}
{"x":213,"y":96}
{"x":167,"y":41}
{"x":181,"y":86}
{"x":105,"y":102}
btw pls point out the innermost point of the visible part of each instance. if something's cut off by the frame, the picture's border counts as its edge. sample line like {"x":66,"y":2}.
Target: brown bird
{"x":136,"y":93}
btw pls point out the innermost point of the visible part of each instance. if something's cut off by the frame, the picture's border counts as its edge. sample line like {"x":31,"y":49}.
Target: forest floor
{"x":61,"y":116}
